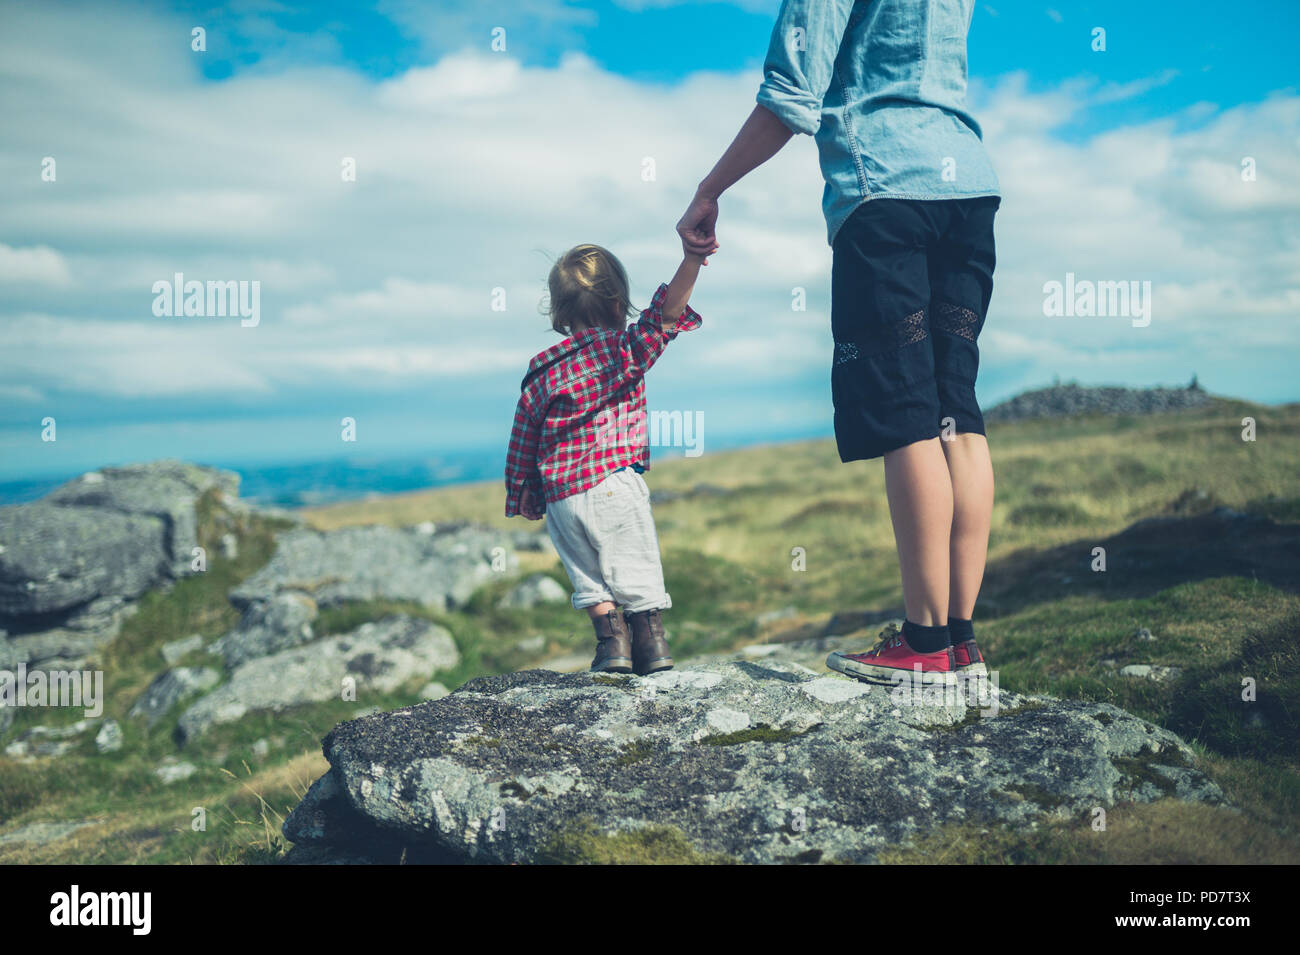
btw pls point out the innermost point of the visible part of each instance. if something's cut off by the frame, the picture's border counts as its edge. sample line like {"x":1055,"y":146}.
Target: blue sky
{"x":474,"y":165}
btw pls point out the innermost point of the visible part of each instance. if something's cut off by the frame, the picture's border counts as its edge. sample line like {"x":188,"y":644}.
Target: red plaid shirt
{"x":581,"y":411}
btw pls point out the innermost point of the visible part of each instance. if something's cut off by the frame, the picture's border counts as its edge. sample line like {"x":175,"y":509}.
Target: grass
{"x":583,"y":844}
{"x":794,"y":528}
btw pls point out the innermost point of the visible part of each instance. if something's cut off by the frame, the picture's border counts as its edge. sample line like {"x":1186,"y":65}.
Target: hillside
{"x":1201,"y":529}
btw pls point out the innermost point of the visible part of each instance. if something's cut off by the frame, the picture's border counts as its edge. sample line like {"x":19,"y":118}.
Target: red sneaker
{"x":969,"y":661}
{"x":893,"y":661}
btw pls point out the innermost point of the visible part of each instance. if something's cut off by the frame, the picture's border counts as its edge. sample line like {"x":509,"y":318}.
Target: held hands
{"x":696,"y":227}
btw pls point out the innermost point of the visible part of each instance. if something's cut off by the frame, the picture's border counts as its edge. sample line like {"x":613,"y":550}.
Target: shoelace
{"x":884,"y":644}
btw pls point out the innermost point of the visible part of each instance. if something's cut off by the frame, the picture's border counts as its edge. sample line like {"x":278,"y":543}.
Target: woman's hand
{"x":696,"y":227}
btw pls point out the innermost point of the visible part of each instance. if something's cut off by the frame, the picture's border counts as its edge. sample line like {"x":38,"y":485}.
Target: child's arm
{"x":668,"y":314}
{"x":523,"y":482}
{"x":680,"y":288}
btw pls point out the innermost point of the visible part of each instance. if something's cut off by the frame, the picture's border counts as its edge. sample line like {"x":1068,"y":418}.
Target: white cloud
{"x":472,"y":168}
{"x":38,"y":265}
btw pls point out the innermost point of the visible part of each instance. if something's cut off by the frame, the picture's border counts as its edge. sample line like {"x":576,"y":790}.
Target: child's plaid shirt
{"x":581,"y":411}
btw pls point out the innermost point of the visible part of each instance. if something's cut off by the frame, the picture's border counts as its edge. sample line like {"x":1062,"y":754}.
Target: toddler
{"x":579,"y":447}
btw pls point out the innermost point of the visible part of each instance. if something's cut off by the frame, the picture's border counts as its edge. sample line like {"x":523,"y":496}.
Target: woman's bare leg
{"x":971,"y":471}
{"x":920,"y":494}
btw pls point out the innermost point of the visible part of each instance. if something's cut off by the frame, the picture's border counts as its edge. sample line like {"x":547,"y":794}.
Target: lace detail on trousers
{"x":909,"y":331}
{"x":956,"y":320}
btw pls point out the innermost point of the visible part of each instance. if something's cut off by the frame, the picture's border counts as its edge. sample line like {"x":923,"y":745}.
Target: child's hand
{"x":528,"y":506}
{"x":700,"y":258}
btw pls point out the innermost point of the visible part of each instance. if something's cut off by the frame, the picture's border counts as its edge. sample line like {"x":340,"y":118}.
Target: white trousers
{"x":606,"y":538}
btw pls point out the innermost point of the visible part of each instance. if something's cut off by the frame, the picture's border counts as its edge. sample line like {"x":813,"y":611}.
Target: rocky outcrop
{"x":169,"y":688}
{"x":377,"y":657}
{"x":435,"y":567}
{"x":71,"y":562}
{"x":1072,"y":399}
{"x":751,"y":760}
{"x":534,"y":590}
{"x":269,"y":626}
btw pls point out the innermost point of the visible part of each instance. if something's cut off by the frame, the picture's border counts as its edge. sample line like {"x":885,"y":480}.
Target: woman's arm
{"x":760,"y":138}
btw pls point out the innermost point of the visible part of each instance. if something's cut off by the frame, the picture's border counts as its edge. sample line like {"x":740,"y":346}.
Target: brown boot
{"x":613,"y":645}
{"x":649,"y":648}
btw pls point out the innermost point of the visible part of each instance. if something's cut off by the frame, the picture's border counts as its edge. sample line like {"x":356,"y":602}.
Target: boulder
{"x":48,"y":740}
{"x":534,"y":590}
{"x":436,"y":567}
{"x":74,"y":557}
{"x":269,"y":626}
{"x":170,"y":687}
{"x":175,"y":650}
{"x":109,"y":737}
{"x":756,"y":761}
{"x":379,"y":657}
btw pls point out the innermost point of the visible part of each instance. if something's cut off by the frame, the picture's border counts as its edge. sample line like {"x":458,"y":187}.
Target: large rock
{"x":112,"y":534}
{"x":170,"y":687}
{"x":1060,"y":401}
{"x":378,"y":657}
{"x":534,"y":590}
{"x":755,"y":761}
{"x":438,"y":568}
{"x":269,"y":626}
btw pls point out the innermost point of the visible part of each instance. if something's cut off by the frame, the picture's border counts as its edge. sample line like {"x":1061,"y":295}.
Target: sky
{"x":408,"y":299}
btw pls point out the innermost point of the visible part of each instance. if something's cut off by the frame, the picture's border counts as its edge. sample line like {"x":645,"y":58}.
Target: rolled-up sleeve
{"x":801,"y":59}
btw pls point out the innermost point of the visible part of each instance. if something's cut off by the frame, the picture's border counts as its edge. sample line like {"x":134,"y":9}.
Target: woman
{"x":909,"y":202}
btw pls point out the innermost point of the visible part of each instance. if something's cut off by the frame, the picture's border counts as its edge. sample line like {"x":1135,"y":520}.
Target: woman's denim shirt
{"x":881,"y":84}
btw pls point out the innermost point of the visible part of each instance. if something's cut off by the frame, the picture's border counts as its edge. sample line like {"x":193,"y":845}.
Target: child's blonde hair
{"x":588,"y":289}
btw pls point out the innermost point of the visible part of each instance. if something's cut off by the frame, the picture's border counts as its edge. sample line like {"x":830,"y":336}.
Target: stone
{"x":174,"y":771}
{"x":73,"y":558}
{"x":42,"y":833}
{"x":175,"y":650}
{"x":169,"y":688}
{"x":43,"y":741}
{"x":1074,"y":399}
{"x":379,"y":656}
{"x":268,"y":626}
{"x":439,"y":570}
{"x":1149,"y":671}
{"x":725,"y":755}
{"x":534,"y":590}
{"x":109,"y":737}
{"x":433,"y":691}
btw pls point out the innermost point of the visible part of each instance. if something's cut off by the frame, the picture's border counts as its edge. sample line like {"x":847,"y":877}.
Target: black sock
{"x":960,"y":630}
{"x":925,"y":639}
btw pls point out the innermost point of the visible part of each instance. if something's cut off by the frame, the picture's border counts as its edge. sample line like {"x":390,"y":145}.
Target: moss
{"x":807,"y":857}
{"x":1166,"y":832}
{"x":605,"y":679}
{"x":970,"y":719}
{"x":583,"y":844}
{"x":492,"y":741}
{"x":634,"y":753}
{"x":1140,"y":770}
{"x":762,"y":733}
{"x":1041,"y":797}
{"x":1105,"y":719}
{"x":512,"y":788}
